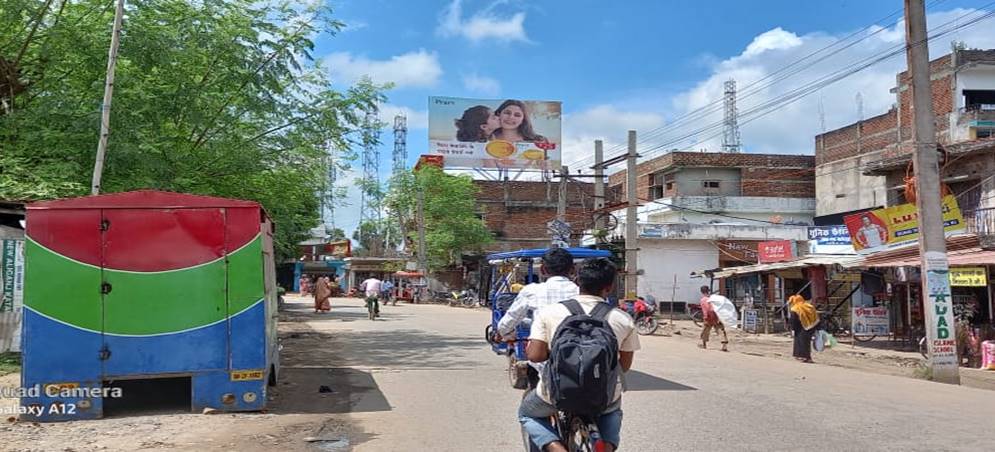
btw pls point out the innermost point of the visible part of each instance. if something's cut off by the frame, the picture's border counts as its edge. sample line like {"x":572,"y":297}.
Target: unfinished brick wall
{"x":517,"y":212}
{"x":890,"y":133}
{"x":771,"y":175}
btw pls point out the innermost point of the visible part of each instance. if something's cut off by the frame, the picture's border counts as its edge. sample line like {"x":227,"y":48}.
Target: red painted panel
{"x":775,"y":251}
{"x":74,"y":233}
{"x":243,"y":226}
{"x":163,"y":239}
{"x":142,"y":199}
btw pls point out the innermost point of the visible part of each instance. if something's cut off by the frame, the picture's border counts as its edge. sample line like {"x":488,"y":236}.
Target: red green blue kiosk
{"x":147,"y":285}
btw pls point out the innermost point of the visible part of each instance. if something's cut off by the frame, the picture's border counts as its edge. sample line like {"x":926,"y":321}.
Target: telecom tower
{"x":369,"y":201}
{"x":730,"y":135}
{"x":400,"y":143}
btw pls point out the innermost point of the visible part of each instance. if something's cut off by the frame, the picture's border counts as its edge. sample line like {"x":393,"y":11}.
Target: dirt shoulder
{"x":298,"y":413}
{"x":880,"y":356}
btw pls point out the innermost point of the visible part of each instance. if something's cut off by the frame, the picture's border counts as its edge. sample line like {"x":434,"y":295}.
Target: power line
{"x":712,"y":107}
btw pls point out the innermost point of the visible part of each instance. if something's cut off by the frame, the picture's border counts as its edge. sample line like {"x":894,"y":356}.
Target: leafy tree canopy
{"x":452,"y":225}
{"x":215,"y":97}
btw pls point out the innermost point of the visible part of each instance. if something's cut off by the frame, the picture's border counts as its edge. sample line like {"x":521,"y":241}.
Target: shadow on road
{"x":329,"y":390}
{"x":639,"y":381}
{"x":381,"y":349}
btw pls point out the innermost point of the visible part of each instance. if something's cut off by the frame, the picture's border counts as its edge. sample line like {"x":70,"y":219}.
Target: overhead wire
{"x":798,"y":93}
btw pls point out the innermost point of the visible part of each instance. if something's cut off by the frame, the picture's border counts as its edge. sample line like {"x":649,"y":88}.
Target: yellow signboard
{"x":968,"y":276}
{"x":246,"y":375}
{"x":897,"y":225}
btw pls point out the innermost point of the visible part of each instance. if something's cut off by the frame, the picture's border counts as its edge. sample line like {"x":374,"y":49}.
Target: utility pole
{"x":932,"y":243}
{"x":631,"y":233}
{"x":561,"y":196}
{"x":105,"y":107}
{"x":599,"y":185}
{"x":422,"y":261}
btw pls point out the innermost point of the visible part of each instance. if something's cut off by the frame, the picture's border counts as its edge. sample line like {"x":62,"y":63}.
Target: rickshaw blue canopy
{"x":578,"y":253}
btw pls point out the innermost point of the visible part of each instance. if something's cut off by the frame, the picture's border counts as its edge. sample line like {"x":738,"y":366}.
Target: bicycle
{"x":694,"y":311}
{"x":371,"y":307}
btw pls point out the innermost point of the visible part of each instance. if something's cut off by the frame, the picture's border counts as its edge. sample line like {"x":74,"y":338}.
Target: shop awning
{"x":961,"y":250}
{"x":807,"y":261}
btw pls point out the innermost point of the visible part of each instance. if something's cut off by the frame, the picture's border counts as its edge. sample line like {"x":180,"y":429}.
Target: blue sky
{"x":629,"y":64}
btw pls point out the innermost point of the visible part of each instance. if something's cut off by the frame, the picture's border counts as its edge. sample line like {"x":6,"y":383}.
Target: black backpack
{"x":582,"y":371}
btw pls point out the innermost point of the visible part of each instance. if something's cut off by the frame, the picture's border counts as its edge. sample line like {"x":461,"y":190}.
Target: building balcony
{"x":982,"y":115}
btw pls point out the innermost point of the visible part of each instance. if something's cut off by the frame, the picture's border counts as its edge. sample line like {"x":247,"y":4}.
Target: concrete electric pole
{"x":631,"y":232}
{"x":932,"y":242}
{"x":105,"y":113}
{"x":561,"y":196}
{"x":599,"y":185}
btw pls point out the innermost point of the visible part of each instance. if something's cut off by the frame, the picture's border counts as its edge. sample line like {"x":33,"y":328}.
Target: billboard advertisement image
{"x":896,"y":226}
{"x":495,"y":133}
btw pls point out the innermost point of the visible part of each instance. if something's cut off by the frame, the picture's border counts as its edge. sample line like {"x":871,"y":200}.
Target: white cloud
{"x":482,"y":25}
{"x":412,"y":69}
{"x":481,"y":85}
{"x":792,"y":127}
{"x":603,"y":122}
{"x":354,"y":25}
{"x":416,"y":119}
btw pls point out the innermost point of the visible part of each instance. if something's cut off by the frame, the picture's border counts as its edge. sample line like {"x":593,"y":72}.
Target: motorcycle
{"x":642,"y":311}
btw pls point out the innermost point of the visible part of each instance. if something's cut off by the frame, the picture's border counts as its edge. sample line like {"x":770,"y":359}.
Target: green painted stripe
{"x":61,"y":288}
{"x":245,"y":276}
{"x":142,"y":303}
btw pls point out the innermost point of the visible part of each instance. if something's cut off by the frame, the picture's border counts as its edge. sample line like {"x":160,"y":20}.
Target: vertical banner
{"x":11,"y":293}
{"x":940,"y":328}
{"x":12,"y":274}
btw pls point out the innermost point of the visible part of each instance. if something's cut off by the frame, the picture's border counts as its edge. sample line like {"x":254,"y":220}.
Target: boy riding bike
{"x":569,"y":372}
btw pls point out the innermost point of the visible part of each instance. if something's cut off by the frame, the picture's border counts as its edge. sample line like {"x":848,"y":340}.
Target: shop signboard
{"x":968,"y":277}
{"x":896,"y":226}
{"x":829,"y":240}
{"x":495,"y":133}
{"x":750,"y":320}
{"x":775,"y":251}
{"x":11,"y":293}
{"x":11,"y":274}
{"x":870,"y":321}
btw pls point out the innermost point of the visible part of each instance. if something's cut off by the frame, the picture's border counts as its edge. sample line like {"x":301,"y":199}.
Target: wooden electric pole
{"x":105,"y":113}
{"x":932,"y":242}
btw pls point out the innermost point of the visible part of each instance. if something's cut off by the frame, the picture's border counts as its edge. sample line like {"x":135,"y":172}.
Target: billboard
{"x":829,"y":240}
{"x":495,"y":133}
{"x":895,"y":226}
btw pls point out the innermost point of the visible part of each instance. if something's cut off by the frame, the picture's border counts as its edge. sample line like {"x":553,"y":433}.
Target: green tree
{"x":452,"y":225}
{"x":376,"y":238}
{"x":215,"y":97}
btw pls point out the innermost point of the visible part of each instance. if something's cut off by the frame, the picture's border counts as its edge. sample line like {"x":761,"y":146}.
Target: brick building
{"x":704,"y":210}
{"x":863,"y":165}
{"x":705,"y":186}
{"x":517,"y":211}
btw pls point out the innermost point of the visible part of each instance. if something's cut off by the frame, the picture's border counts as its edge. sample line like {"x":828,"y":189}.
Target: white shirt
{"x":872,"y":235}
{"x":535,"y":296}
{"x":547,"y":319}
{"x":372,"y":287}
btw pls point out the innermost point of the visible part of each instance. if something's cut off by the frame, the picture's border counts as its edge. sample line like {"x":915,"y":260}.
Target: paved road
{"x":423,"y":379}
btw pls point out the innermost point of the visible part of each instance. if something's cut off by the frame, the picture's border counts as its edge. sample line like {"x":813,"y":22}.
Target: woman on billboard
{"x":515,"y":124}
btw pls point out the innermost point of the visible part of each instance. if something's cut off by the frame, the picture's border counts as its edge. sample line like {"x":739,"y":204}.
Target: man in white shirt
{"x":871,"y":235}
{"x":596,"y":278}
{"x":557,"y":265}
{"x":372,"y":288}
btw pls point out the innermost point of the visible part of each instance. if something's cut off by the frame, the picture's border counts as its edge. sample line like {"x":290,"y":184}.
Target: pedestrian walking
{"x":711,"y":318}
{"x":322,"y":292}
{"x":803,"y":319}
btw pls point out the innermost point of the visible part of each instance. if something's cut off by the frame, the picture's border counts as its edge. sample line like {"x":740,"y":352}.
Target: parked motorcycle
{"x":642,"y":311}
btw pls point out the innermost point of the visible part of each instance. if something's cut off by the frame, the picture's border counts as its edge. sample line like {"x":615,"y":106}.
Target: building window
{"x":985,"y":133}
{"x":656,"y":186}
{"x":670,"y":186}
{"x":710,"y":186}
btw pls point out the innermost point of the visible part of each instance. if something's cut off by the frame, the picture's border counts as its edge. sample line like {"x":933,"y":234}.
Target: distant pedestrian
{"x":322,"y":292}
{"x":710,"y":318}
{"x":305,"y":283}
{"x":803,"y":319}
{"x":371,"y":287}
